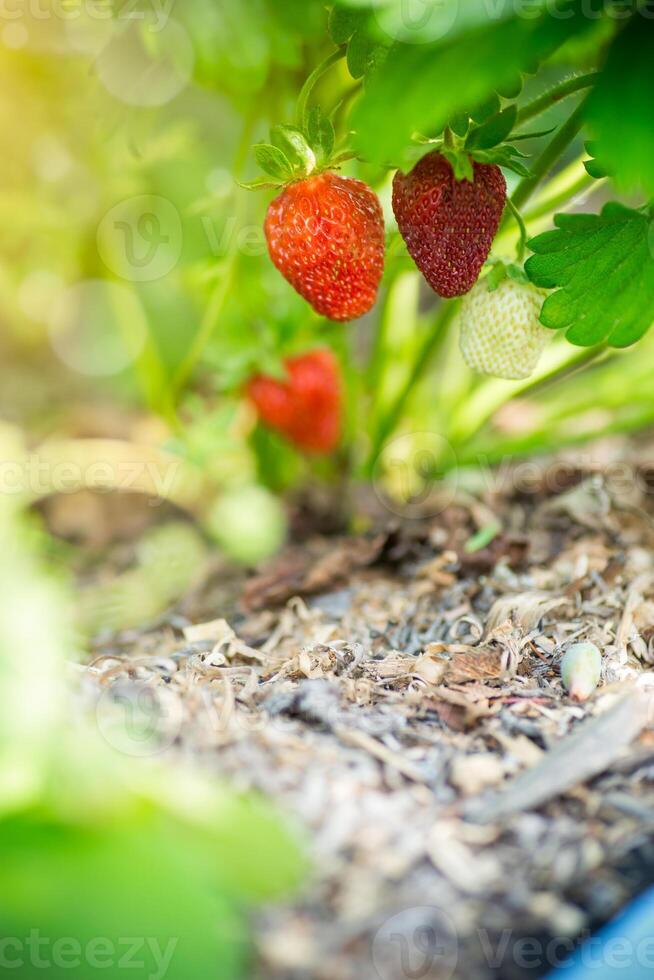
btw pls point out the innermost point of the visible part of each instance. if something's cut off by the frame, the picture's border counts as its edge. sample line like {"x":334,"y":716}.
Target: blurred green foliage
{"x":99,"y":850}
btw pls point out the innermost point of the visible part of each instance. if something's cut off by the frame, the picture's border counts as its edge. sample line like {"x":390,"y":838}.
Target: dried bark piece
{"x":305,"y":570}
{"x":586,"y":753}
{"x":463,"y":662}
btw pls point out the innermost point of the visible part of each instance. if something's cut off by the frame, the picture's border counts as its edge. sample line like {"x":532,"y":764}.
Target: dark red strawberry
{"x":326,"y":236}
{"x":449,"y":225}
{"x":306,"y":407}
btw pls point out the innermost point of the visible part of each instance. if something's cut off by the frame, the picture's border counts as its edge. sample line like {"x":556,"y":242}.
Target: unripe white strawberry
{"x":581,"y":669}
{"x":500,"y":333}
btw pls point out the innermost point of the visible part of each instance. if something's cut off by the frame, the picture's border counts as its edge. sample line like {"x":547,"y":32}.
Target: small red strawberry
{"x":325,"y":234}
{"x":448,"y":224}
{"x":306,"y":407}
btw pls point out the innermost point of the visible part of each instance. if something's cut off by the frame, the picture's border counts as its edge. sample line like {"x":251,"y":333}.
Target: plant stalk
{"x":222,"y":288}
{"x":558,"y":92}
{"x":392,"y":417}
{"x":544,"y":163}
{"x":309,"y":85}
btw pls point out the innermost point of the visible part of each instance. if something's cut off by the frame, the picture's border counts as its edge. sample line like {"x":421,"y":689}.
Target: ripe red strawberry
{"x":326,"y":236}
{"x":449,"y":225}
{"x":306,"y":406}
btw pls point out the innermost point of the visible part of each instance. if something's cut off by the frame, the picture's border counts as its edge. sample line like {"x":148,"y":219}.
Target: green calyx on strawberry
{"x":295,"y":153}
{"x":488,"y":141}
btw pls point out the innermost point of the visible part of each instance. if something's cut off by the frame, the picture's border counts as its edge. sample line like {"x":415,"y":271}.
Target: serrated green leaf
{"x":620,"y":109}
{"x":602,"y":268}
{"x":271,"y":159}
{"x":425,"y":85}
{"x":494,"y":131}
{"x":320,"y":133}
{"x":292,"y":142}
{"x":344,"y":22}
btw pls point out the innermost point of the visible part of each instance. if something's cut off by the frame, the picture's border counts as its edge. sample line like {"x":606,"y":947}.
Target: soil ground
{"x":397,"y":694}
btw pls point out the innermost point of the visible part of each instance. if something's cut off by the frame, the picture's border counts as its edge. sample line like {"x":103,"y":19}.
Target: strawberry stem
{"x":521,"y":225}
{"x":558,"y":92}
{"x":224,"y":283}
{"x":309,"y":85}
{"x":554,"y":149}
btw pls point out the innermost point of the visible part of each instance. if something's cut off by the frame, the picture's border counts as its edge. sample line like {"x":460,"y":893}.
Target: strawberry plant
{"x":449,"y":204}
{"x":470,"y":125}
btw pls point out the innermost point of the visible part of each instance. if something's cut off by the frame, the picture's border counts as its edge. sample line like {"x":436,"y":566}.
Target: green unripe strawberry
{"x":581,"y":669}
{"x":500,"y":333}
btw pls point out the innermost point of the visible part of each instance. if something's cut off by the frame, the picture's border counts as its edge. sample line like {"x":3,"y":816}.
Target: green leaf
{"x":593,"y":167}
{"x":512,"y":89}
{"x":259,"y":184}
{"x":531,"y":136}
{"x":483,"y":537}
{"x":343,"y":157}
{"x":320,"y":133}
{"x":504,"y":156}
{"x":359,"y":53}
{"x":488,"y":108}
{"x":344,"y":22}
{"x":293,"y":144}
{"x":428,"y":21}
{"x":460,"y":124}
{"x":602,"y":267}
{"x":620,"y":109}
{"x":494,"y":131}
{"x":139,"y":879}
{"x":273,"y":161}
{"x":424,"y":85}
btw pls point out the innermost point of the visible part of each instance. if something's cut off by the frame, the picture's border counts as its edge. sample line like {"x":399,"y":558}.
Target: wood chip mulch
{"x":398,"y":695}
